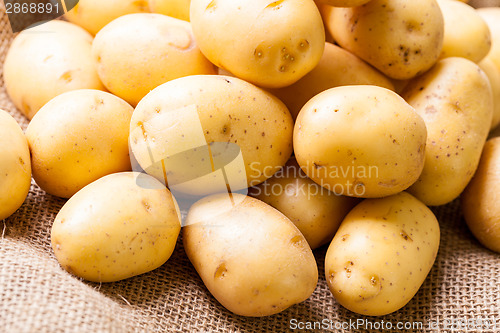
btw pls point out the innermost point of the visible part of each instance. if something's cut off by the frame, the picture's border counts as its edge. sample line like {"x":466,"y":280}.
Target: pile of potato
{"x":158,"y":112}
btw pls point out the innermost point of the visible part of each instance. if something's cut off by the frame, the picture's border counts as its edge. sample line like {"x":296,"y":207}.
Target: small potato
{"x":455,"y":100}
{"x":402,"y":39}
{"x":77,"y":138}
{"x":493,"y":73}
{"x":93,"y":15}
{"x":15,"y":166}
{"x":381,"y":254}
{"x":266,"y":42}
{"x":202,"y":133}
{"x":466,"y":34}
{"x":252,"y":259}
{"x":137,"y":52}
{"x":119,"y":226}
{"x":46,"y":61}
{"x":313,"y":209}
{"x":481,"y":197}
{"x":337,"y":67}
{"x":360,"y":141}
{"x":344,"y":3}
{"x":491,"y":15}
{"x":174,"y":8}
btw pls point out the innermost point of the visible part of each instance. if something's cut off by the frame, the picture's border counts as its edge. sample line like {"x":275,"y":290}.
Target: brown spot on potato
{"x":221,"y":271}
{"x":66,"y":76}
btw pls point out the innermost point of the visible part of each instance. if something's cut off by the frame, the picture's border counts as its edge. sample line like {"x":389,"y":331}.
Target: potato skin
{"x":493,"y":74}
{"x":78,"y":137}
{"x":455,"y":100}
{"x":466,"y":34}
{"x":173,"y":8}
{"x":93,"y":15}
{"x":337,"y":67}
{"x":344,"y":3}
{"x":381,"y":254}
{"x":198,"y":110}
{"x":269,"y":43}
{"x":481,"y":197}
{"x":119,"y":226}
{"x":361,"y":141}
{"x":137,"y":52}
{"x":41,"y":66}
{"x":491,"y":15}
{"x":402,"y":39}
{"x":15,"y":166}
{"x":314,"y":210}
{"x":251,"y":257}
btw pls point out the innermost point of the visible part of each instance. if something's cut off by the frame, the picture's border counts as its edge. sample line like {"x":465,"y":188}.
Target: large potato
{"x":493,"y":73}
{"x":337,"y":67}
{"x":362,"y":141}
{"x":269,"y":43}
{"x":78,"y":137}
{"x":46,"y":61}
{"x":15,"y":166}
{"x":252,"y":259}
{"x":248,"y":132}
{"x":480,"y":200}
{"x":315,"y":211}
{"x":466,"y":34}
{"x":93,"y":15}
{"x":119,"y":226}
{"x":400,"y":38}
{"x":174,"y":8}
{"x":137,"y":52}
{"x":381,"y":254}
{"x":455,"y":100}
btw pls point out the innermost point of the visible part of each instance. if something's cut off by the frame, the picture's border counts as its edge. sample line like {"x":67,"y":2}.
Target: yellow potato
{"x":46,"y":61}
{"x":337,"y":67}
{"x":15,"y":166}
{"x":491,"y":15}
{"x":137,"y":52}
{"x":344,"y":3}
{"x":402,"y":39}
{"x":493,"y":73}
{"x":266,"y":42}
{"x":119,"y":226}
{"x":174,"y":8}
{"x":199,"y":132}
{"x":314,"y":210}
{"x":361,"y":141}
{"x":455,"y":100}
{"x":252,"y":259}
{"x":381,"y":254}
{"x":481,"y":197}
{"x":93,"y":15}
{"x":78,"y":137}
{"x":466,"y":34}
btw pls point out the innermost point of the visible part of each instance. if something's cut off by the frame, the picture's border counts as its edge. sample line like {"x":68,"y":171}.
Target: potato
{"x":93,"y":15}
{"x":344,"y":3}
{"x":266,"y":42}
{"x":481,"y":197}
{"x":137,"y":52}
{"x":248,"y":132}
{"x":119,"y":226}
{"x":455,"y":100}
{"x":360,"y":141}
{"x":466,"y":34}
{"x":381,"y":254}
{"x":402,"y":39}
{"x":491,"y":15}
{"x":78,"y":137}
{"x":314,"y":210}
{"x":39,"y":66}
{"x":493,"y":73}
{"x":337,"y":67}
{"x":252,"y":259}
{"x":174,"y":8}
{"x":15,"y":166}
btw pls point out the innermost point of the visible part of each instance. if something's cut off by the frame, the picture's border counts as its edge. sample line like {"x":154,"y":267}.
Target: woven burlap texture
{"x":36,"y":295}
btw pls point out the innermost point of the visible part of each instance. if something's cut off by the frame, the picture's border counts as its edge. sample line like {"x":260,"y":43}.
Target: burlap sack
{"x":36,"y":295}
